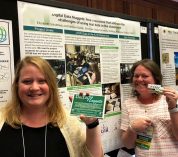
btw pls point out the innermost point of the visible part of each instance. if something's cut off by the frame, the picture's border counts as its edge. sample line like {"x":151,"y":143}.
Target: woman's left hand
{"x":87,"y":120}
{"x":171,"y":96}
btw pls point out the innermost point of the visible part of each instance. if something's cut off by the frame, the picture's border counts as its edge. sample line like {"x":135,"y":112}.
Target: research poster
{"x":90,"y":53}
{"x":168,"y":41}
{"x":6,"y":60}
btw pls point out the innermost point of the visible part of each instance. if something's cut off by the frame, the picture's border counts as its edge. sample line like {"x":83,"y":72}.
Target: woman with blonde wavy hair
{"x":34,"y":122}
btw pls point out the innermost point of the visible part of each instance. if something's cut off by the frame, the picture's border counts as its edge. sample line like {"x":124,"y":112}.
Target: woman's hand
{"x":141,"y":124}
{"x":171,"y":96}
{"x":87,"y":120}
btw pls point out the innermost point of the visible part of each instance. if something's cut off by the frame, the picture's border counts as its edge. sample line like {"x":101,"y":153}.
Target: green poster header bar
{"x":42,"y":29}
{"x":91,"y":34}
{"x":128,"y":37}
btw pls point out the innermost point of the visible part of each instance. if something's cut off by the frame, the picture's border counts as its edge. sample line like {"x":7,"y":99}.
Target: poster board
{"x":76,"y":43}
{"x":168,"y":43}
{"x":6,"y":60}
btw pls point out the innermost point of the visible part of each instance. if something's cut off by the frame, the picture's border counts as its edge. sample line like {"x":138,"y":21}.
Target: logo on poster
{"x":3,"y":34}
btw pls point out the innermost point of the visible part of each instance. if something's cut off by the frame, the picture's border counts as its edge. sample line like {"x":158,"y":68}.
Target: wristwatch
{"x":175,"y":109}
{"x":93,"y":124}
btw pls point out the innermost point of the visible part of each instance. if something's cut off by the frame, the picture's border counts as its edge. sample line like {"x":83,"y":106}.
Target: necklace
{"x":23,"y":140}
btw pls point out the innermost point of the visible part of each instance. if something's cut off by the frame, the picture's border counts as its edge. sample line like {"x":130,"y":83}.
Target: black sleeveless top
{"x":11,"y":142}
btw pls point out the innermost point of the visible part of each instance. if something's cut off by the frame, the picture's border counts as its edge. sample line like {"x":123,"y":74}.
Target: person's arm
{"x":93,"y":136}
{"x":138,"y":125}
{"x":172,"y":100}
{"x":128,"y":134}
{"x":93,"y":141}
{"x":174,"y":124}
{"x":128,"y":138}
{"x":92,"y":78}
{"x":130,"y":127}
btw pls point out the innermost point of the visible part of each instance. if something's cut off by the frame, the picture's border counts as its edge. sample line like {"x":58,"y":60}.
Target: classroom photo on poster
{"x":82,"y":65}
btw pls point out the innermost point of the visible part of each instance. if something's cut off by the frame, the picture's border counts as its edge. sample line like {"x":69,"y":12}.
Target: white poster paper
{"x":6,"y":60}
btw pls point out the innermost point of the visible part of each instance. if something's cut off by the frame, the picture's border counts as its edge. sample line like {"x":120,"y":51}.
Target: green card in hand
{"x":90,"y":106}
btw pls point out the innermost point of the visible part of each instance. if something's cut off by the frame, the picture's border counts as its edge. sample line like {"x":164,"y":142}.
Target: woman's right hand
{"x":141,"y":124}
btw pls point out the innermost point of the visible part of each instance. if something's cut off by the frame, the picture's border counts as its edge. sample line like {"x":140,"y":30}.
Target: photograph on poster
{"x":112,"y":95}
{"x":176,"y":65}
{"x":59,"y":68}
{"x":82,"y":65}
{"x":125,"y":72}
{"x":165,"y":58}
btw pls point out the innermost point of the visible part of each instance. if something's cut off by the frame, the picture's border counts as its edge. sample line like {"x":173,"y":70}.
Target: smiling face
{"x":142,"y":77}
{"x":33,"y":89}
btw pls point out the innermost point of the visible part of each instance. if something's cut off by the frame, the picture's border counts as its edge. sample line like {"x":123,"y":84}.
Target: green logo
{"x":3,"y":34}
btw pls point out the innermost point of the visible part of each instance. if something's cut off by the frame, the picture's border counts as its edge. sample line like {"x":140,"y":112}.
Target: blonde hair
{"x":55,"y":110}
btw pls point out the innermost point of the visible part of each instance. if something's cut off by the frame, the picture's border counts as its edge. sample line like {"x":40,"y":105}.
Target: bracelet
{"x":173,"y":110}
{"x":93,"y":124}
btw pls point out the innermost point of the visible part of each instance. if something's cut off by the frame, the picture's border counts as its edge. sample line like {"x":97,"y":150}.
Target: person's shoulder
{"x":70,"y":119}
{"x":162,"y":100}
{"x":72,"y":125}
